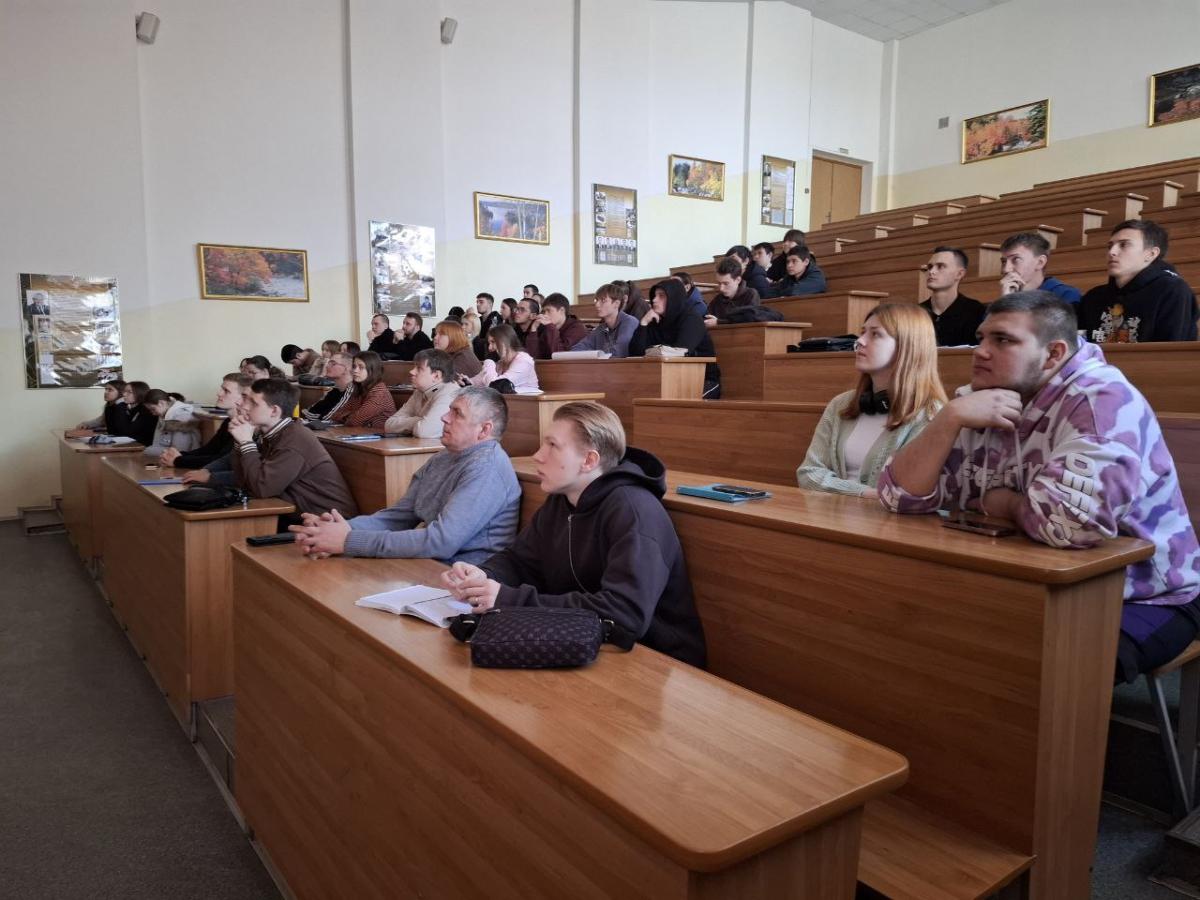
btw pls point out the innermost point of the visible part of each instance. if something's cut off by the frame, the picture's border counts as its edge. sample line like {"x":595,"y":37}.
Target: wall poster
{"x":778,"y":191}
{"x":71,"y":331}
{"x":402,"y":269}
{"x":614,"y":225}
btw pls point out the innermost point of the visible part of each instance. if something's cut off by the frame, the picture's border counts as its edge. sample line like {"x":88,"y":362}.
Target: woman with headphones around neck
{"x":897,"y":394}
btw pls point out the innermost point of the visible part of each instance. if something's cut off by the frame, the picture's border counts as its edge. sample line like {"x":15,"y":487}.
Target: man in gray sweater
{"x":466,"y":496}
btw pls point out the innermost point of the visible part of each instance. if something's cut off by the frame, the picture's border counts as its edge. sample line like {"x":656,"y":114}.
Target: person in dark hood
{"x":601,"y":541}
{"x":732,"y":293}
{"x":753,"y":275}
{"x":671,"y":322}
{"x":1145,"y":299}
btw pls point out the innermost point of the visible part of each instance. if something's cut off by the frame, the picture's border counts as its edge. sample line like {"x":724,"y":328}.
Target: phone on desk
{"x":729,"y":493}
{"x":977,"y":523}
{"x":266,"y":540}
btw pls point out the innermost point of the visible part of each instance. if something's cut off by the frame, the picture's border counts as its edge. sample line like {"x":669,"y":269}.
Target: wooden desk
{"x":210,"y":423}
{"x":166,"y":573}
{"x":530,"y":415}
{"x":987,"y":662}
{"x":377,"y":472}
{"x":374,"y":761}
{"x":740,"y":351}
{"x":310,"y":394}
{"x":622,"y":380}
{"x":831,"y":314}
{"x":82,"y":499}
{"x":396,"y":372}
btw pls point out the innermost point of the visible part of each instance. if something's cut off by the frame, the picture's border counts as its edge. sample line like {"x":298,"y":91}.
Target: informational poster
{"x":71,"y":330}
{"x":778,"y":191}
{"x":402,"y":268}
{"x":614,"y":225}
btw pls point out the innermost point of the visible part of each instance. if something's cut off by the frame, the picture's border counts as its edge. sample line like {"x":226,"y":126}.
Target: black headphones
{"x":874,"y":403}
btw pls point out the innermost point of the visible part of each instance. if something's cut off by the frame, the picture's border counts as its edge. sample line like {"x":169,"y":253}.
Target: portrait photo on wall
{"x":778,"y":191}
{"x":700,"y":179}
{"x":1007,"y":131}
{"x":614,"y":225}
{"x":499,"y":217}
{"x":252,"y":273}
{"x":1175,"y":95}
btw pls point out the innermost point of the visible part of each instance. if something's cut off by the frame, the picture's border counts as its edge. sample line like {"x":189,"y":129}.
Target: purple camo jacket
{"x":1091,"y":461}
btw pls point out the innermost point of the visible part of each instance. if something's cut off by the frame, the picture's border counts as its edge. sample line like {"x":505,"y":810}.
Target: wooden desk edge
{"x":74,"y":445}
{"x":268,"y":506}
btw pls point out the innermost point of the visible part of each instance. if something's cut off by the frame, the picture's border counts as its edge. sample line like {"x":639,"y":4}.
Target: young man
{"x":276,"y":457}
{"x":763,"y":256}
{"x":1065,"y":447}
{"x":434,"y":386}
{"x":732,"y":292}
{"x":530,"y":291}
{"x":220,"y":470}
{"x":1024,"y":257}
{"x":410,"y":340}
{"x":601,"y":541}
{"x":616,"y":328}
{"x":1145,"y":299}
{"x":522,"y":322}
{"x":793,"y":237}
{"x":694,"y":298}
{"x":487,"y":315}
{"x":338,"y":368}
{"x":955,"y":317}
{"x":799,"y":279}
{"x":380,"y":338}
{"x":466,"y":497}
{"x":300,"y":360}
{"x":754,"y":276}
{"x":554,"y":329}
{"x":229,"y":397}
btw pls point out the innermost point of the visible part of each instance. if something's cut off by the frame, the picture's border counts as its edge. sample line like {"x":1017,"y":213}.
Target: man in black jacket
{"x":409,"y":340}
{"x":601,"y":541}
{"x":229,"y":398}
{"x":754,"y":276}
{"x":1144,"y":299}
{"x":956,"y":318}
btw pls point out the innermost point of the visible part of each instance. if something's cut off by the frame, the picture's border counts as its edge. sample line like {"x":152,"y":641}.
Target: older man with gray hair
{"x":466,"y":497}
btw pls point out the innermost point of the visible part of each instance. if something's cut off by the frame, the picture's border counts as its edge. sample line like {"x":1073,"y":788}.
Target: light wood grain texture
{"x":377,"y":472}
{"x":832,"y":313}
{"x":740,"y":351}
{"x":373,"y":760}
{"x":529,"y":415}
{"x":310,"y":394}
{"x":1182,"y":433}
{"x":396,"y":372}
{"x":82,"y":499}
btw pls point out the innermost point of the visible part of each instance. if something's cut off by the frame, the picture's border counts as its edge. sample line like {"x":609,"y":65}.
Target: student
{"x":616,"y":328}
{"x":529,"y":291}
{"x":763,"y":255}
{"x":554,"y":329}
{"x":380,"y":337}
{"x":450,"y":338}
{"x":229,"y":398}
{"x":507,"y":307}
{"x":471,"y":329}
{"x":522,"y":322}
{"x":799,"y":278}
{"x":463,"y":504}
{"x":301,"y":361}
{"x":350,"y":347}
{"x":138,"y":422}
{"x":177,"y":425}
{"x":793,"y":237}
{"x":955,"y":317}
{"x":220,"y":471}
{"x":338,"y":368}
{"x":410,"y":339}
{"x":487,"y":315}
{"x":258,"y":367}
{"x":434,"y":389}
{"x":371,"y":404}
{"x":317,"y":372}
{"x":671,"y":324}
{"x":114,"y":412}
{"x":897,"y":394}
{"x":632,"y":300}
{"x":694,"y":297}
{"x":1023,"y":258}
{"x":456,"y":313}
{"x":732,"y":292}
{"x":276,"y":457}
{"x":753,"y":275}
{"x":601,"y":541}
{"x":1068,"y":450}
{"x":512,"y":363}
{"x":1145,"y":299}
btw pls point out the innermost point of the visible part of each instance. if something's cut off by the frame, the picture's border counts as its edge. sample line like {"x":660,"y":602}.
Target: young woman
{"x":897,"y":394}
{"x":260,"y":367}
{"x":138,"y":422}
{"x":328,"y":348}
{"x":177,"y":426}
{"x":507,"y":307}
{"x":113,"y":412}
{"x":671,"y":322}
{"x":450,"y":337}
{"x":371,"y":404}
{"x":512,"y":362}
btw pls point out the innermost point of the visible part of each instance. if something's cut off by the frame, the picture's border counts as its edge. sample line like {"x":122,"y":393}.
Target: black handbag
{"x":203,"y":496}
{"x":537,"y":638}
{"x":824,"y":344}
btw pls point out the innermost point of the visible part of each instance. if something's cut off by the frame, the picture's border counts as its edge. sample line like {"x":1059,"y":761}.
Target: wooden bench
{"x":741,"y":349}
{"x":931,"y":210}
{"x":830,"y":314}
{"x":82,"y":501}
{"x":396,"y":371}
{"x":377,"y":472}
{"x":530,"y":415}
{"x":1166,"y":169}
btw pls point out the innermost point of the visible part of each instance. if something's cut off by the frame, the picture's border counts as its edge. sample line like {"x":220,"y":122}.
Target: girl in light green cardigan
{"x":897,"y":394}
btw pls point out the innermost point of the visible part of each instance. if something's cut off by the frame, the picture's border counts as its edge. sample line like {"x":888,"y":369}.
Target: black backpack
{"x":742,"y":314}
{"x":204,"y":496}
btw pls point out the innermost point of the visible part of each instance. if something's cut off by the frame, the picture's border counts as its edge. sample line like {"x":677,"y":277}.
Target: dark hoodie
{"x":218,"y":445}
{"x":755,"y":276}
{"x":139,"y":423}
{"x":680,"y":326}
{"x":811,"y":282}
{"x":721,"y":306}
{"x":1156,"y":305}
{"x":616,"y":553}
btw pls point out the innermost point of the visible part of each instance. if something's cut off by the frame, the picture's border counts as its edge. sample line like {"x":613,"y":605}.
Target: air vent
{"x":944,"y":122}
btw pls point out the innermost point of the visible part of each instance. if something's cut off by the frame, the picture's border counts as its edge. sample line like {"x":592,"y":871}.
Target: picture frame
{"x":695,"y":178}
{"x":778,"y":191}
{"x":233,"y":272}
{"x":1005,"y":132}
{"x":1174,"y":96}
{"x":519,"y":220}
{"x":614,"y":225}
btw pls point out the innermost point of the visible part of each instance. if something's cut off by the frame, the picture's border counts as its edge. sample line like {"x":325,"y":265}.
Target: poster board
{"x":71,"y":330}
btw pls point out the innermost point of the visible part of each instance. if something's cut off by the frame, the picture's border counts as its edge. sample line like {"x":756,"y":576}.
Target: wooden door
{"x":836,"y":192}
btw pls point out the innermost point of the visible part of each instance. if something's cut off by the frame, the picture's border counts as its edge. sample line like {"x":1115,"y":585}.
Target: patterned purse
{"x":536,"y":638}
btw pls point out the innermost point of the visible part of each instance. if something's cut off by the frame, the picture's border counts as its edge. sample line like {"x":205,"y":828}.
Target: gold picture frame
{"x":1182,"y":92}
{"x":692,"y":177}
{"x":518,"y":220}
{"x":996,"y":134}
{"x":233,"y":272}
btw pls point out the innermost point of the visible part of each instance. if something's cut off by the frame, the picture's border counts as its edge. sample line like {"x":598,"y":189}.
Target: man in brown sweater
{"x":554,"y":330}
{"x":276,"y":457}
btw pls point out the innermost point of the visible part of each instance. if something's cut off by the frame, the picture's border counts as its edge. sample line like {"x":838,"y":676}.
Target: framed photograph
{"x":1175,"y":96}
{"x":614,"y":225}
{"x":1007,"y":131}
{"x":502,"y":218}
{"x":778,"y":191}
{"x":252,"y":273}
{"x":701,"y":179}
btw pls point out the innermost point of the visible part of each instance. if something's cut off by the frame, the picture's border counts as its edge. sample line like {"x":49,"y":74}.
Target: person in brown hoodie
{"x":554,"y":329}
{"x":274,"y":456}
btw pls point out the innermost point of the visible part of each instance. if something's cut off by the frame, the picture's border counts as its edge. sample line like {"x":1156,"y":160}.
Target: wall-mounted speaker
{"x":449,"y":26}
{"x":147,"y":27}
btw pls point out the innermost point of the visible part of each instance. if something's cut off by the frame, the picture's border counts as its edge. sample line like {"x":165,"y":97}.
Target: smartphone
{"x":738,"y":491}
{"x":265,"y":540}
{"x":978,"y":524}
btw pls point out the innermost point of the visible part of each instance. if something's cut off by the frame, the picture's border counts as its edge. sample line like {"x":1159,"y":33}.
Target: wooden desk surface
{"x":705,"y":771}
{"x":388,"y":446}
{"x":860,"y":523}
{"x":135,"y":470}
{"x":82,"y":498}
{"x":81,"y":446}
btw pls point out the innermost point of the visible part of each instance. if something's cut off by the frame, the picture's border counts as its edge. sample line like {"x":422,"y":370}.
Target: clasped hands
{"x":320,"y":537}
{"x":471,"y":584}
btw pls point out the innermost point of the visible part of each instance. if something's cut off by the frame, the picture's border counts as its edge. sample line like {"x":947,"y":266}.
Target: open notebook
{"x":432,"y":604}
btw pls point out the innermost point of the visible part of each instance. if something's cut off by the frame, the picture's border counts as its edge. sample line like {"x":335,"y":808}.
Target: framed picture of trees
{"x":252,"y":273}
{"x":1008,"y":131}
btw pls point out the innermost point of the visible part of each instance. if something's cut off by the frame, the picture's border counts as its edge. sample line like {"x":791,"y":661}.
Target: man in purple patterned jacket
{"x":1052,"y":437}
